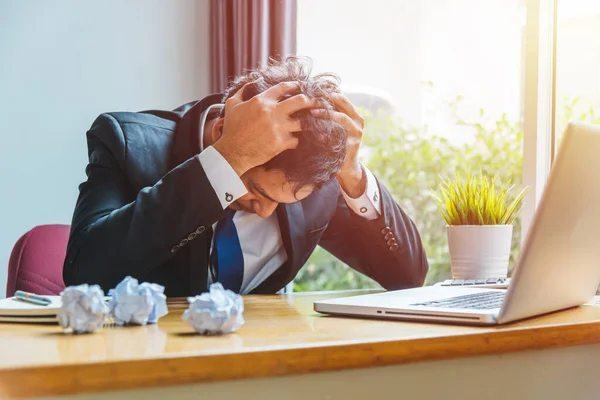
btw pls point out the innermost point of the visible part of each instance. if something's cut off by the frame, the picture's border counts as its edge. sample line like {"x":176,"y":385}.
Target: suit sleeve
{"x":116,"y":232}
{"x":388,"y":249}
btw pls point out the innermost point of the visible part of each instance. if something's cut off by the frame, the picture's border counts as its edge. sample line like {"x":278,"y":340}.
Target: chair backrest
{"x":36,"y":261}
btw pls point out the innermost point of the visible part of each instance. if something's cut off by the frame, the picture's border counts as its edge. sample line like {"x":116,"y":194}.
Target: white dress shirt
{"x":260,"y":238}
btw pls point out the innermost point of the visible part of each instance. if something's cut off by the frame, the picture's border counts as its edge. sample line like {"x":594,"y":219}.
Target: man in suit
{"x":237,"y":188}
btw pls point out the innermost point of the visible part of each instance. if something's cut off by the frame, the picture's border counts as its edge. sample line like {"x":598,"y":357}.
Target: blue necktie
{"x":227,"y":257}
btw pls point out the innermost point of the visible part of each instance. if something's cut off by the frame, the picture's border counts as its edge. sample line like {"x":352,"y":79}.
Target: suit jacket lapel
{"x":296,"y":233}
{"x":291,"y":224}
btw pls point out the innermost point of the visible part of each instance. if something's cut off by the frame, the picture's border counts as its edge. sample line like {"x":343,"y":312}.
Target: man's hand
{"x":260,"y":128}
{"x":351,"y":176}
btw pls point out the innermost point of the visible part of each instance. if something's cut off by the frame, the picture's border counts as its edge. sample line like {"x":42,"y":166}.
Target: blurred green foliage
{"x":575,"y":109}
{"x":409,"y":161}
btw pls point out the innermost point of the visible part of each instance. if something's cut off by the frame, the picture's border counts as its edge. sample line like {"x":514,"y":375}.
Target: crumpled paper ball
{"x":83,"y":308}
{"x":216,"y":312}
{"x":133,"y":303}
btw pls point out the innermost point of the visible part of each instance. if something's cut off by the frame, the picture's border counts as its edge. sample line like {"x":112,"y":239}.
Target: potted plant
{"x":479,"y":215}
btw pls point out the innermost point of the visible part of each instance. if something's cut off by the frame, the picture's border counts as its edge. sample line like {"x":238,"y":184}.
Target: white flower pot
{"x":479,"y":251}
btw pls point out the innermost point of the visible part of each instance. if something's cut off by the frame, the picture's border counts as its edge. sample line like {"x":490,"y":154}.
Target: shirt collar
{"x":202,"y":120}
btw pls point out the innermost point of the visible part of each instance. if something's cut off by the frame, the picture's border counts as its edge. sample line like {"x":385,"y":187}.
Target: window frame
{"x":539,"y":108}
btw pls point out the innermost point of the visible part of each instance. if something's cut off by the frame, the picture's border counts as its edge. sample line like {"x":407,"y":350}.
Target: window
{"x":441,"y":86}
{"x":577,"y":63}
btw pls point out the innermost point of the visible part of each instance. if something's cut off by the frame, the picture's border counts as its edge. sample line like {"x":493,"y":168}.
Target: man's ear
{"x":217,"y":129}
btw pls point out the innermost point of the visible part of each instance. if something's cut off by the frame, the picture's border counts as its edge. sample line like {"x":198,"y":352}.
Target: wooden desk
{"x":282,"y":336}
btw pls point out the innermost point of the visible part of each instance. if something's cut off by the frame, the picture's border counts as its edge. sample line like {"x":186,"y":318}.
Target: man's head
{"x":293,"y":174}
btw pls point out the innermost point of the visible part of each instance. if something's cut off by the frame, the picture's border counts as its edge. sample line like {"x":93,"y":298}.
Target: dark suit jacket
{"x":147,"y":208}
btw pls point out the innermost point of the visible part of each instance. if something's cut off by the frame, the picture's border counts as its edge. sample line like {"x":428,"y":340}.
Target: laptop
{"x":559,"y":265}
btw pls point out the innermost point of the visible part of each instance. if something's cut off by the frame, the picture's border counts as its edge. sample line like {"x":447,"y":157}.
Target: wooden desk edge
{"x":135,"y":374}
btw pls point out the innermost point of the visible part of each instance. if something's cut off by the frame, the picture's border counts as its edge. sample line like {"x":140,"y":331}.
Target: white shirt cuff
{"x":225,"y":181}
{"x":368,"y":205}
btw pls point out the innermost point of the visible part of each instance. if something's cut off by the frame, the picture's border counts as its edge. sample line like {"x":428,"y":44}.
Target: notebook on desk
{"x":14,"y":310}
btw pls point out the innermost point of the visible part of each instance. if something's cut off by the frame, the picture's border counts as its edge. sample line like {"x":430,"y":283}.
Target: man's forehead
{"x":273,"y":185}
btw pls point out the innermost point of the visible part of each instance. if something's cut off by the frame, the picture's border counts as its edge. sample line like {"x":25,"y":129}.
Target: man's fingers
{"x":296,"y":103}
{"x":293,"y":125}
{"x":238,"y":97}
{"x":279,"y":90}
{"x":292,"y":143}
{"x":335,"y":116}
{"x":289,"y":142}
{"x":344,"y":105}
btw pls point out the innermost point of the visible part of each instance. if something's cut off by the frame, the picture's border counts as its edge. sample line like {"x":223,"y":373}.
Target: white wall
{"x":64,"y":62}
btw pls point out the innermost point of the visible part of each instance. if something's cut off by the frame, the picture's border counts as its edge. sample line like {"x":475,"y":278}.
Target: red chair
{"x":36,"y":261}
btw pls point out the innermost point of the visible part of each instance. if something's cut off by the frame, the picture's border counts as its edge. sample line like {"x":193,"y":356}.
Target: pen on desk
{"x":32,"y":298}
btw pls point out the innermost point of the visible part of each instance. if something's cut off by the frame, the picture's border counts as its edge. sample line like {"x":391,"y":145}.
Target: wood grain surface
{"x":282,"y":336}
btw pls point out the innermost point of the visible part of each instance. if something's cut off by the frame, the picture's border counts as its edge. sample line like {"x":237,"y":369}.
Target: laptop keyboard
{"x":479,"y":281}
{"x":477,"y":301}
